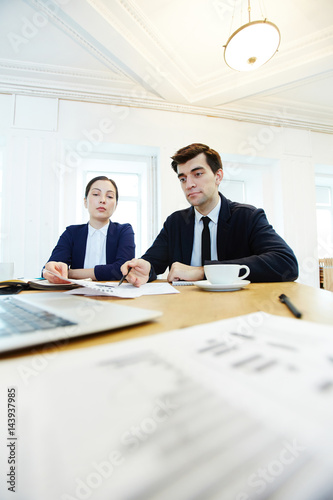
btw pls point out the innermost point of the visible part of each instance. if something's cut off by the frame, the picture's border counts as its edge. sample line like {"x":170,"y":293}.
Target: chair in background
{"x":326,"y":273}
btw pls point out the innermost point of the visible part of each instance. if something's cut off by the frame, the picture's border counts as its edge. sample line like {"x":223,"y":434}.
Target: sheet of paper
{"x":236,"y":409}
{"x":125,"y":291}
{"x":93,"y":292}
{"x":84,"y":283}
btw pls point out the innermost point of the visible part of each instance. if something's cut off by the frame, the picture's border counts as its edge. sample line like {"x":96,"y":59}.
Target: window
{"x":244,"y":183}
{"x":135,"y":177}
{"x":256,"y":183}
{"x":1,"y":161}
{"x":324,"y":211}
{"x":233,"y":184}
{"x":233,"y":190}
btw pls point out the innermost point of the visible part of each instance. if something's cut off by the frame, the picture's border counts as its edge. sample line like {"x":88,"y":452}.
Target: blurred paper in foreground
{"x":239,"y":409}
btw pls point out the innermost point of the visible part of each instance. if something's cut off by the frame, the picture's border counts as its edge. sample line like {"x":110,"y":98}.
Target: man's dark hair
{"x":188,"y":152}
{"x":100,"y":178}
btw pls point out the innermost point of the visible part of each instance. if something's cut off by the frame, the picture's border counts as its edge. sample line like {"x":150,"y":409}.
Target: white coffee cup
{"x":6,"y":271}
{"x":225,"y":274}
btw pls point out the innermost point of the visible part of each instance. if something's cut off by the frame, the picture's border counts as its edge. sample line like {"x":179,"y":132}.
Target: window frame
{"x":325,"y":245}
{"x":116,"y":164}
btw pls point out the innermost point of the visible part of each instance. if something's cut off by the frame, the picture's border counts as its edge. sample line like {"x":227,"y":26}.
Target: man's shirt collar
{"x":213,"y":215}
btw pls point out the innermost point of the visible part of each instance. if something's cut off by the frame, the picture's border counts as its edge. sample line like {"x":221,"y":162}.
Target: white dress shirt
{"x":198,"y":227}
{"x":96,"y":247}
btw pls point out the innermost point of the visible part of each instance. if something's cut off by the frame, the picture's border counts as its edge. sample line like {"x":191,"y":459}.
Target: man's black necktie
{"x":205,"y":241}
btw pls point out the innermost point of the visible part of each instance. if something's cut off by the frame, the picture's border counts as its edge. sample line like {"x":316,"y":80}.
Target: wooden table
{"x":79,"y":417}
{"x":194,"y":306}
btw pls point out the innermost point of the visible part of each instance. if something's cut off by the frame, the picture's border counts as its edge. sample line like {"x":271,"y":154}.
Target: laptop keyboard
{"x":18,"y":317}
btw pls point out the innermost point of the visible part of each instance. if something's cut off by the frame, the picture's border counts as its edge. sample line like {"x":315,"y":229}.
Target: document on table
{"x":237,"y":409}
{"x":125,"y":291}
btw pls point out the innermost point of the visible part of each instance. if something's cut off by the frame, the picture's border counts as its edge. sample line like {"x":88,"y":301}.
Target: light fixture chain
{"x":232,"y":19}
{"x":263,"y":14}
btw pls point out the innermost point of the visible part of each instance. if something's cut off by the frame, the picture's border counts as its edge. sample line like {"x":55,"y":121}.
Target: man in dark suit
{"x":238,"y":233}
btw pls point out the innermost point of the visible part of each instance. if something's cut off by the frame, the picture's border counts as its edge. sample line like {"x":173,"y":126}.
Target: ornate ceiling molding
{"x":143,"y":71}
{"x":29,"y":68}
{"x":259,"y":117}
{"x":175,"y":80}
{"x":292,"y":52}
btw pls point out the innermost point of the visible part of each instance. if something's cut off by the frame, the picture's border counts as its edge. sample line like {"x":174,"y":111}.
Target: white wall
{"x":40,"y":165}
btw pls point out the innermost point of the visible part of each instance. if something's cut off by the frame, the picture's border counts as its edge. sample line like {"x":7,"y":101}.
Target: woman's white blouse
{"x":96,"y":247}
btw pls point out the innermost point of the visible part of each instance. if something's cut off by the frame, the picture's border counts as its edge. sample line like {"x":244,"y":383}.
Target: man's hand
{"x":183,"y":272}
{"x":56,"y":267}
{"x":139,"y":271}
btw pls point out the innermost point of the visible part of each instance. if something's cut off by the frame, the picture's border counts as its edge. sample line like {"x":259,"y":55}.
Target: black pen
{"x":284,"y":299}
{"x":125,"y":276}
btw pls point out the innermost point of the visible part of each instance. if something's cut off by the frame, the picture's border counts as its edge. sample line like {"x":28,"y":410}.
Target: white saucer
{"x":230,"y":287}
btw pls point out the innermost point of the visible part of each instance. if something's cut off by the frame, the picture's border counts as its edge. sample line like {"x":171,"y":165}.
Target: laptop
{"x":38,"y":318}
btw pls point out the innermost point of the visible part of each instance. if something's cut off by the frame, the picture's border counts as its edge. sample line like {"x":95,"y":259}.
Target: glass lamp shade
{"x":252,"y":45}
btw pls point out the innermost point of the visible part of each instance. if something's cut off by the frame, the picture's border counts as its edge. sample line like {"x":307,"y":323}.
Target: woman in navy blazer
{"x":70,"y":254}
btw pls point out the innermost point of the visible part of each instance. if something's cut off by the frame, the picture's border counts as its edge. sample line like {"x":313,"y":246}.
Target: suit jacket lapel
{"x":187,"y":235}
{"x":109,"y":239}
{"x":81,"y":246}
{"x":223,"y":227}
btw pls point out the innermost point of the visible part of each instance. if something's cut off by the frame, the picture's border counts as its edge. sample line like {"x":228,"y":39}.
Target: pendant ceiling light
{"x":252,"y":45}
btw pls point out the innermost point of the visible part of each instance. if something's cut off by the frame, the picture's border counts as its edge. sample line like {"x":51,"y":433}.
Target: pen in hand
{"x":124,"y":277}
{"x":285,"y":300}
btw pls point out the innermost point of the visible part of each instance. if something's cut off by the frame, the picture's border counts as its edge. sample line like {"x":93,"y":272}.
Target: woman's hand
{"x":56,"y":267}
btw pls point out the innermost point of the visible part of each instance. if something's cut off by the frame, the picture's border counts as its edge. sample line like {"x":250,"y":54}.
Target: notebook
{"x":38,"y":318}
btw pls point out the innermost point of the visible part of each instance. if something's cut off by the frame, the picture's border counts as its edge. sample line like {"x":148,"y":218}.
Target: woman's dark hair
{"x":188,"y":152}
{"x":100,"y":178}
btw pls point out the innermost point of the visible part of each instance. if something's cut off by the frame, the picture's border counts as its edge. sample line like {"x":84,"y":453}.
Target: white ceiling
{"x":168,"y":54}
